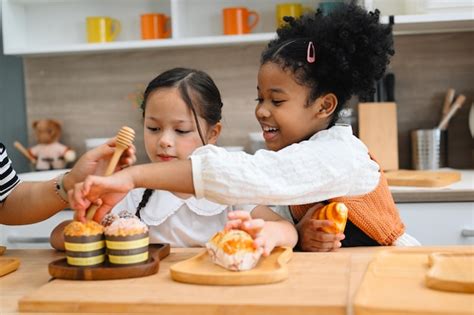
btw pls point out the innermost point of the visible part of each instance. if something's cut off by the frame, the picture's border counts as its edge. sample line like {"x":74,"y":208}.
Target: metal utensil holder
{"x":429,"y":149}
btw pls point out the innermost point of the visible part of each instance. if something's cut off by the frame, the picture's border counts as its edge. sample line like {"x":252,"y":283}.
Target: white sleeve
{"x":332,"y":163}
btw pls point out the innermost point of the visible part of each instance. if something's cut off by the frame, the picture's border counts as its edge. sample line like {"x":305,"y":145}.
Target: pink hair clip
{"x":311,"y":54}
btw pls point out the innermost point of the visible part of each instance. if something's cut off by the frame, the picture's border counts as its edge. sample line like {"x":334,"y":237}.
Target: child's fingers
{"x":253,"y":227}
{"x":262,"y":242}
{"x":239,"y":214}
{"x":317,"y":246}
{"x":101,"y":212}
{"x":327,"y":237}
{"x":233,"y":224}
{"x":318,"y":224}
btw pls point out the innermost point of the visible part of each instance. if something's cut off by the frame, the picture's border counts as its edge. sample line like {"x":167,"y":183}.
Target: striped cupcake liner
{"x":127,"y":250}
{"x":85,"y":250}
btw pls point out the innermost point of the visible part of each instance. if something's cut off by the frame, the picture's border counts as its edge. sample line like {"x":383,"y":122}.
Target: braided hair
{"x":352,"y":50}
{"x":198,"y":91}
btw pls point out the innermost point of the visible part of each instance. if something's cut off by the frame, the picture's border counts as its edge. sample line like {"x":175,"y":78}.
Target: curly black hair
{"x":352,"y":51}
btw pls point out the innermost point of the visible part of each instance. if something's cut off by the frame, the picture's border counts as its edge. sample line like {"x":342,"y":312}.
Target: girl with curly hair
{"x":307,"y":74}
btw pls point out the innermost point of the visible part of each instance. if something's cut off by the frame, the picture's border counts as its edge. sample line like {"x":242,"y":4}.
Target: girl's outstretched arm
{"x":108,"y":191}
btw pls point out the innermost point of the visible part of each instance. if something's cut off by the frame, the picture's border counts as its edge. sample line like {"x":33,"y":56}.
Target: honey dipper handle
{"x":113,"y":161}
{"x":91,"y":212}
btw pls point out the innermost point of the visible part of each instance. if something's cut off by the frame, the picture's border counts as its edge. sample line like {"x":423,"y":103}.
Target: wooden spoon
{"x":24,"y":151}
{"x":125,"y":138}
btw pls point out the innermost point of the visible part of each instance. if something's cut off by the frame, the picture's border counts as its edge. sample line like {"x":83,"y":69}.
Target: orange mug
{"x":155,"y":25}
{"x":237,"y":20}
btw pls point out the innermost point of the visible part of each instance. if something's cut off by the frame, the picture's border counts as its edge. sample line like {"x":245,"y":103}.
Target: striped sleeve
{"x":8,"y":177}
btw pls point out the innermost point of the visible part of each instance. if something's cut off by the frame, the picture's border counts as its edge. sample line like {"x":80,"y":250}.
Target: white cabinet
{"x":35,"y":27}
{"x":439,"y":223}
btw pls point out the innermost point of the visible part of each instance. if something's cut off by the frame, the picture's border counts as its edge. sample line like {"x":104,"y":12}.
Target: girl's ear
{"x":326,"y":105}
{"x":213,"y":133}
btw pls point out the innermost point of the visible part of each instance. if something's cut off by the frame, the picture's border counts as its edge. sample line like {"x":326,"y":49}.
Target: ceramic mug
{"x":287,"y":9}
{"x":237,"y":20}
{"x":155,"y":26}
{"x":102,"y":29}
{"x":327,"y":7}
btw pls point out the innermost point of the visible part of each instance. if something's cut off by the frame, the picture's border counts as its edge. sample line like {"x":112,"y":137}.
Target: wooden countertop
{"x":461,"y":191}
{"x":334,"y":282}
{"x":33,"y":273}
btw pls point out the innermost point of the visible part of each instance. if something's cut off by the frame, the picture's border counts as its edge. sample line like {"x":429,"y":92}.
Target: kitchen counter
{"x":456,"y":192}
{"x":175,"y":297}
{"x":33,"y":273}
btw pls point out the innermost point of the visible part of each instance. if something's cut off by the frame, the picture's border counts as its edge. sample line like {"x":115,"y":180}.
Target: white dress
{"x":180,"y":222}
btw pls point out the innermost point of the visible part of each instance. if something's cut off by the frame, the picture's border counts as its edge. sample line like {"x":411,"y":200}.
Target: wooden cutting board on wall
{"x":378,"y":130}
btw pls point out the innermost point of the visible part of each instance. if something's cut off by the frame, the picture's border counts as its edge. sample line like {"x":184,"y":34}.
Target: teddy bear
{"x":48,"y":153}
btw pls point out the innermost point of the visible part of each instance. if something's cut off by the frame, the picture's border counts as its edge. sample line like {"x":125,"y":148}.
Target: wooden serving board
{"x":317,"y":284}
{"x":451,"y":272}
{"x":421,"y":178}
{"x":8,"y":265}
{"x":201,"y":270}
{"x":60,"y":269}
{"x":394,"y":284}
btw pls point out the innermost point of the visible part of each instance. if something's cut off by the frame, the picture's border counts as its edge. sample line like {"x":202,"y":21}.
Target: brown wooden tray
{"x":60,"y":269}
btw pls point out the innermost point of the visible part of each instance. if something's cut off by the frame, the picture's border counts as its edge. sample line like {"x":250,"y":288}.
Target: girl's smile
{"x":282,"y":109}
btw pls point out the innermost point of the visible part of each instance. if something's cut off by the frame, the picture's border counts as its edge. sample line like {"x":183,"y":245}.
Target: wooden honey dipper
{"x":125,"y":138}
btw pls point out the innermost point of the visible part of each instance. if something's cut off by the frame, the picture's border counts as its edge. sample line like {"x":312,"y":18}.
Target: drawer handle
{"x":23,"y":240}
{"x":467,"y":232}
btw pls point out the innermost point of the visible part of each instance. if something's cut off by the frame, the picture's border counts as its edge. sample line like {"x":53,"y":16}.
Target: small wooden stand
{"x":60,"y":269}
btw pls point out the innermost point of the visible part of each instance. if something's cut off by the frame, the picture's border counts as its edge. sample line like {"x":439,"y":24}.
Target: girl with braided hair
{"x":182,"y":111}
{"x":307,"y":74}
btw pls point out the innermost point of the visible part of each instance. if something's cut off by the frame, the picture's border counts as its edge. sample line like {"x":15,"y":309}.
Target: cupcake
{"x":126,"y":239}
{"x":84,"y":243}
{"x":233,"y":250}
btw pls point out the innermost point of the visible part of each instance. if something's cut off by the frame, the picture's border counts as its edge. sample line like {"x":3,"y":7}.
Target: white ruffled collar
{"x":162,"y":204}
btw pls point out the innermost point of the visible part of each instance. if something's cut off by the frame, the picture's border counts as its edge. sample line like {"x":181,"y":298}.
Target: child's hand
{"x":242,"y":220}
{"x":95,"y":162}
{"x":106,"y":192}
{"x":312,"y":239}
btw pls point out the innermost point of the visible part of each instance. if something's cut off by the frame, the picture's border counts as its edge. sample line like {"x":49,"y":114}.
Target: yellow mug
{"x":102,"y":29}
{"x":289,"y":9}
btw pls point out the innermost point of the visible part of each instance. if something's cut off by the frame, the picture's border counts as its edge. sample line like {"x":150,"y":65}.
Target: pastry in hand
{"x":335,"y":212}
{"x":233,"y":250}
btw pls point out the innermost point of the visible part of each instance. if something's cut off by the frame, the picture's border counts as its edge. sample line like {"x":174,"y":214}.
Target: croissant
{"x":335,"y":212}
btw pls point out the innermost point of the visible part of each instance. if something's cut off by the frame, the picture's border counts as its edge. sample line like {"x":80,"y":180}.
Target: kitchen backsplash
{"x":94,"y":95}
